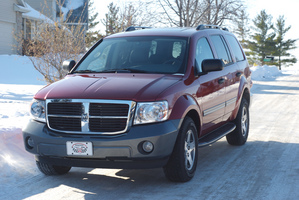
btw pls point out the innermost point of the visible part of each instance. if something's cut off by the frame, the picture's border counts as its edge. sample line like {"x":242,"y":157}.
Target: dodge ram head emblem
{"x":84,"y":117}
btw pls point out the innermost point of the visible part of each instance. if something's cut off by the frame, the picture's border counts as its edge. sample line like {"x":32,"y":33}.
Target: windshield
{"x":164,"y":55}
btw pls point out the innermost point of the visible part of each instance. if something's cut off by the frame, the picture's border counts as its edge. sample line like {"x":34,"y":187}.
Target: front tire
{"x":240,"y":134}
{"x":182,"y":163}
{"x":52,"y":169}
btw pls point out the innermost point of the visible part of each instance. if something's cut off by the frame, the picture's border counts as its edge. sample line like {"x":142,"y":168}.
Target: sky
{"x":288,"y":8}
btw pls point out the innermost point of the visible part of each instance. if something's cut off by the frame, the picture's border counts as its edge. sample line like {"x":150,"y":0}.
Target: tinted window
{"x":235,"y":47}
{"x":203,"y":51}
{"x":137,"y":54}
{"x":221,"y":48}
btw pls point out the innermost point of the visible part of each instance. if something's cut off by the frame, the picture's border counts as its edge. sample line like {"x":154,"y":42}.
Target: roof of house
{"x":35,"y":15}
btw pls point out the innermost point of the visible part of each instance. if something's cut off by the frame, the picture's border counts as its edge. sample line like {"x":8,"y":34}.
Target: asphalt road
{"x":266,"y":167}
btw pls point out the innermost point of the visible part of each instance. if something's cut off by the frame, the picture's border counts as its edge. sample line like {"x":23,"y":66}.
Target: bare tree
{"x":182,"y":13}
{"x":135,"y":13}
{"x":219,"y":11}
{"x":51,"y":44}
{"x":140,"y":13}
{"x":186,"y":13}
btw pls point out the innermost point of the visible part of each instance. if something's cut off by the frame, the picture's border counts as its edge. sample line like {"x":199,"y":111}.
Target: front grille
{"x":102,"y":109}
{"x":65,"y":124}
{"x":65,"y":109}
{"x":107,"y":125}
{"x":89,"y":116}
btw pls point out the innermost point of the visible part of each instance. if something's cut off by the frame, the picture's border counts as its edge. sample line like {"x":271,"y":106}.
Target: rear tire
{"x":240,"y":134}
{"x":52,"y":169}
{"x":182,"y":163}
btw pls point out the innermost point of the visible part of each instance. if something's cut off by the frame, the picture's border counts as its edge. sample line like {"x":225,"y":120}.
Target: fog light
{"x":147,"y":146}
{"x":30,"y":143}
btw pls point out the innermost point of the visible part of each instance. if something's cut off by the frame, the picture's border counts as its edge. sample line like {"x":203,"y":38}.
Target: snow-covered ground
{"x":18,"y":83}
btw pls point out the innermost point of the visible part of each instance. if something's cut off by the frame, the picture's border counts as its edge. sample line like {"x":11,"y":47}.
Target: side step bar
{"x":216,"y":135}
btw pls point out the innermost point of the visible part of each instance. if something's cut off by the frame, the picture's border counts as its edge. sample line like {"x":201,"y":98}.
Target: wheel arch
{"x":244,"y":92}
{"x":186,"y":105}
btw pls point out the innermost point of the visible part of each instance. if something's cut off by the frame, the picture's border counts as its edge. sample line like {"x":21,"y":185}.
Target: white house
{"x":24,"y":16}
{"x":11,"y":21}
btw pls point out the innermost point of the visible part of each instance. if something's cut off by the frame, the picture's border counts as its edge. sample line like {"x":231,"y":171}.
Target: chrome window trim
{"x":85,"y":115}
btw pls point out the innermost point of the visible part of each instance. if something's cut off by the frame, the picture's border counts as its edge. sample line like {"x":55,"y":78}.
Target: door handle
{"x":221,"y":81}
{"x":238,"y":74}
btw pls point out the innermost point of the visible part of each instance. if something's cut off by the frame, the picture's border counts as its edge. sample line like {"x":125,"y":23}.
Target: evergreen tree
{"x":282,"y":45}
{"x":262,"y":43}
{"x":111,"y":21}
{"x":242,"y":29}
{"x":92,"y":36}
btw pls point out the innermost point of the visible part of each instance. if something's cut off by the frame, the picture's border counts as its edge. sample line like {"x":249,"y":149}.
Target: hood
{"x":121,"y":86}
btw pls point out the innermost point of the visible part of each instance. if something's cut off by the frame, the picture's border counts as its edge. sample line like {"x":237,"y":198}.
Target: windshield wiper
{"x":86,"y":71}
{"x":133,"y":70}
{"x":124,"y":70}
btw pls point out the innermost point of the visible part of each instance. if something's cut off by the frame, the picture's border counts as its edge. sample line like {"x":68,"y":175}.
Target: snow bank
{"x":19,"y":70}
{"x":19,"y":81}
{"x":260,"y":73}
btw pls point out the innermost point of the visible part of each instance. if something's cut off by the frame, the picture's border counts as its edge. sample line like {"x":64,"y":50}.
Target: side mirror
{"x":67,"y":65}
{"x":211,"y":65}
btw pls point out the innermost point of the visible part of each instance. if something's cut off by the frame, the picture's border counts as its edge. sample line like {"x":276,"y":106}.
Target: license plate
{"x":79,"y":148}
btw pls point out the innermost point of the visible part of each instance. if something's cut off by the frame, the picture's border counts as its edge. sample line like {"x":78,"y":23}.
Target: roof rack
{"x":133,"y":28}
{"x":207,"y":26}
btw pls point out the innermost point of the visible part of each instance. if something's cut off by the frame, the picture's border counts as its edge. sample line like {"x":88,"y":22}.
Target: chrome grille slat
{"x":94,"y":117}
{"x":65,"y":109}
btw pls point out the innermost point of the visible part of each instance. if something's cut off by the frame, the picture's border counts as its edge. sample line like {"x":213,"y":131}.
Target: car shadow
{"x":222,"y":169}
{"x":272,"y":87}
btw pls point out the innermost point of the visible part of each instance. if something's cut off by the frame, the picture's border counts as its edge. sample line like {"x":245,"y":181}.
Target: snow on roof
{"x":71,"y":5}
{"x":74,"y":4}
{"x":35,"y":15}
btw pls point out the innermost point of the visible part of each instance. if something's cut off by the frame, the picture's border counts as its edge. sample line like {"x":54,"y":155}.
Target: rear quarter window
{"x":235,"y":48}
{"x":221,"y":49}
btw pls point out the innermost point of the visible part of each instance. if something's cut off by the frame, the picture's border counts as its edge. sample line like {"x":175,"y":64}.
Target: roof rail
{"x":207,"y":26}
{"x":133,"y":28}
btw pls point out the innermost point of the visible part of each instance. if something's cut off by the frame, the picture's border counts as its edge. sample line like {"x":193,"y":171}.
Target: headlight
{"x":38,"y":110}
{"x":150,"y":112}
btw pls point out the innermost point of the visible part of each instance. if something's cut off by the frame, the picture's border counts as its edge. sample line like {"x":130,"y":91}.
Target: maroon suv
{"x":144,"y":99}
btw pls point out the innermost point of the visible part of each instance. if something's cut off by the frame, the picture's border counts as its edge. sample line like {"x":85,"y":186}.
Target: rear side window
{"x":221,"y":49}
{"x":203,"y":51}
{"x":235,"y":47}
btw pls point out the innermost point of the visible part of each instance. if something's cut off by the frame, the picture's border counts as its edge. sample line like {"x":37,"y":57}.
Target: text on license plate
{"x":79,"y":148}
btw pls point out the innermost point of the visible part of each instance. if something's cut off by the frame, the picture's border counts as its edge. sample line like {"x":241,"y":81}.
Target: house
{"x":11,"y":21}
{"x":24,"y":17}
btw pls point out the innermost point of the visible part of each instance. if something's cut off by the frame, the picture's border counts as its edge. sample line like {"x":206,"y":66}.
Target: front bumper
{"x":122,"y":151}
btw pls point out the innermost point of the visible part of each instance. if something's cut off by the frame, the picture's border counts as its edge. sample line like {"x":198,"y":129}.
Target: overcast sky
{"x":288,"y":8}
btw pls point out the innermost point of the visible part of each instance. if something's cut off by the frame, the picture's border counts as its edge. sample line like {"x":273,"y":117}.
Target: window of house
{"x":221,"y":49}
{"x":28,"y":29}
{"x":203,"y":51}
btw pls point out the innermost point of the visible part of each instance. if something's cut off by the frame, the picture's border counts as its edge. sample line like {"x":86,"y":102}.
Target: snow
{"x":35,"y":15}
{"x":74,"y":4}
{"x":260,"y":73}
{"x":19,"y":70}
{"x":19,"y":81}
{"x":71,"y":5}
